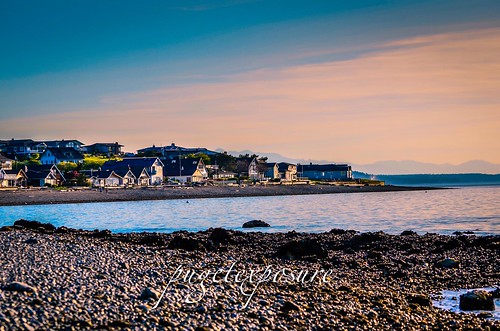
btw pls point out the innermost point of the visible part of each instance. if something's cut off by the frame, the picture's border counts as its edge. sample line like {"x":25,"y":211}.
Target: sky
{"x":346,"y":81}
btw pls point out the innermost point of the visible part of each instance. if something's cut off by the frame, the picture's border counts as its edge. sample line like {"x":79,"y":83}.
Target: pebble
{"x":105,"y":279}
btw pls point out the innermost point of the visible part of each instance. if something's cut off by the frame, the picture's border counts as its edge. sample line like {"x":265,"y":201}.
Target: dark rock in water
{"x":477,"y":300}
{"x":148,"y":293}
{"x":187,"y":244}
{"x":408,"y":233}
{"x":34,"y":225}
{"x":220,"y":235}
{"x":419,"y":299}
{"x":448,"y":263}
{"x":338,"y":231}
{"x":256,"y":224}
{"x":6,"y":228}
{"x":19,"y":287}
{"x":459,"y":233}
{"x":301,"y":248}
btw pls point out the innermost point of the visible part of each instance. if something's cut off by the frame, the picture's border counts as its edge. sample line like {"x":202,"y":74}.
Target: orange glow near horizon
{"x":432,"y":99}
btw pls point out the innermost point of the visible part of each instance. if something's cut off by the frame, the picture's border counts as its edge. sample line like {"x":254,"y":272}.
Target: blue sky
{"x":122,"y":59}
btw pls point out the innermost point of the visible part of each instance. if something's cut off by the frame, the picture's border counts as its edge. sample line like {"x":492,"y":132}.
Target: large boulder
{"x":477,"y":300}
{"x":256,"y":224}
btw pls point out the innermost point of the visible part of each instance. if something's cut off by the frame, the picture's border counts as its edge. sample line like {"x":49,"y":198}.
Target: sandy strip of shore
{"x":51,"y":196}
{"x":64,"y":279}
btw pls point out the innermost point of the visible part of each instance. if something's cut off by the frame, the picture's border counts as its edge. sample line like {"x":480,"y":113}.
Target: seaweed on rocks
{"x":34,"y":225}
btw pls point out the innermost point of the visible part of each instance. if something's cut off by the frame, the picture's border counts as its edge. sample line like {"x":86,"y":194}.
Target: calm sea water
{"x":441,"y":211}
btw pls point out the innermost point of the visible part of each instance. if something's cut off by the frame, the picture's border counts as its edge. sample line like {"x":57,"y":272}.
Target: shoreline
{"x":72,"y":279}
{"x":52,"y":196}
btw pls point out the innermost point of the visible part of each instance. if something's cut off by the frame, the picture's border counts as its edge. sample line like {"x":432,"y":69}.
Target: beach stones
{"x":419,"y":299}
{"x":301,"y":248}
{"x":256,"y":224}
{"x":448,"y":263}
{"x":148,"y":293}
{"x":220,"y":236}
{"x":19,"y":287}
{"x":187,"y":244}
{"x":477,"y":300}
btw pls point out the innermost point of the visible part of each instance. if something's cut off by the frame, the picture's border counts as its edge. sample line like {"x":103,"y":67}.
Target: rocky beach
{"x":67,"y":279}
{"x":51,"y":196}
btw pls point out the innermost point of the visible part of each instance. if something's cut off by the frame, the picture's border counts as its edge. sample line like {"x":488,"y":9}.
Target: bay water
{"x":439,"y":211}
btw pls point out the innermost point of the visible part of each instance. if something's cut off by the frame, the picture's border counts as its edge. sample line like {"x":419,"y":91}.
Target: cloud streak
{"x":430,"y":98}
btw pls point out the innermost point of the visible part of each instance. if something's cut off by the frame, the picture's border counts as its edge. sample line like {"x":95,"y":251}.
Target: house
{"x":5,"y":162}
{"x":186,"y":170}
{"x":326,"y":171}
{"x":54,"y":155}
{"x":75,"y":144}
{"x":18,"y":147}
{"x":104,"y":148}
{"x":272,"y":171}
{"x":251,"y":167}
{"x":145,"y":169}
{"x":13,"y":178}
{"x":100,"y":178}
{"x":151,"y":151}
{"x":45,"y":174}
{"x":288,"y":171}
{"x":173,"y":151}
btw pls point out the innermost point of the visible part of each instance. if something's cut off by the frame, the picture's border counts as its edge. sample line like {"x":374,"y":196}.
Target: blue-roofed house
{"x":55,"y":155}
{"x":326,"y":171}
{"x":186,"y":170}
{"x":146,"y":169}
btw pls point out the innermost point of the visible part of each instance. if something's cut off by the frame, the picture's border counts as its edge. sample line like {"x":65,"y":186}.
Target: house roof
{"x":4,"y":159}
{"x":105,"y":144}
{"x":57,"y":143}
{"x":18,"y":142}
{"x":188,"y":167}
{"x":100,"y":173}
{"x":40,"y":174}
{"x":283,"y":166}
{"x":45,"y":167}
{"x":132,"y":162}
{"x":65,"y":153}
{"x":325,"y":167}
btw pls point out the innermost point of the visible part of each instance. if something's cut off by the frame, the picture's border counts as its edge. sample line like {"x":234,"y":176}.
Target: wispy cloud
{"x":431,"y":98}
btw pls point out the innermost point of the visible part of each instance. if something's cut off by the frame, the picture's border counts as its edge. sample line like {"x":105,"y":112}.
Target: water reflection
{"x":443,"y":211}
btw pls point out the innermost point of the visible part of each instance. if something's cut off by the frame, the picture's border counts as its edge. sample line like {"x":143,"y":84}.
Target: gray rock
{"x":477,"y":300}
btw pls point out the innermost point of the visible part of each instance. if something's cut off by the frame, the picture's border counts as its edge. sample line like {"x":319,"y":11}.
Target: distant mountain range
{"x":393,"y":167}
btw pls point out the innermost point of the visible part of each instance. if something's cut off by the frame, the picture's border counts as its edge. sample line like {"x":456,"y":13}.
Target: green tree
{"x":225,"y":161}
